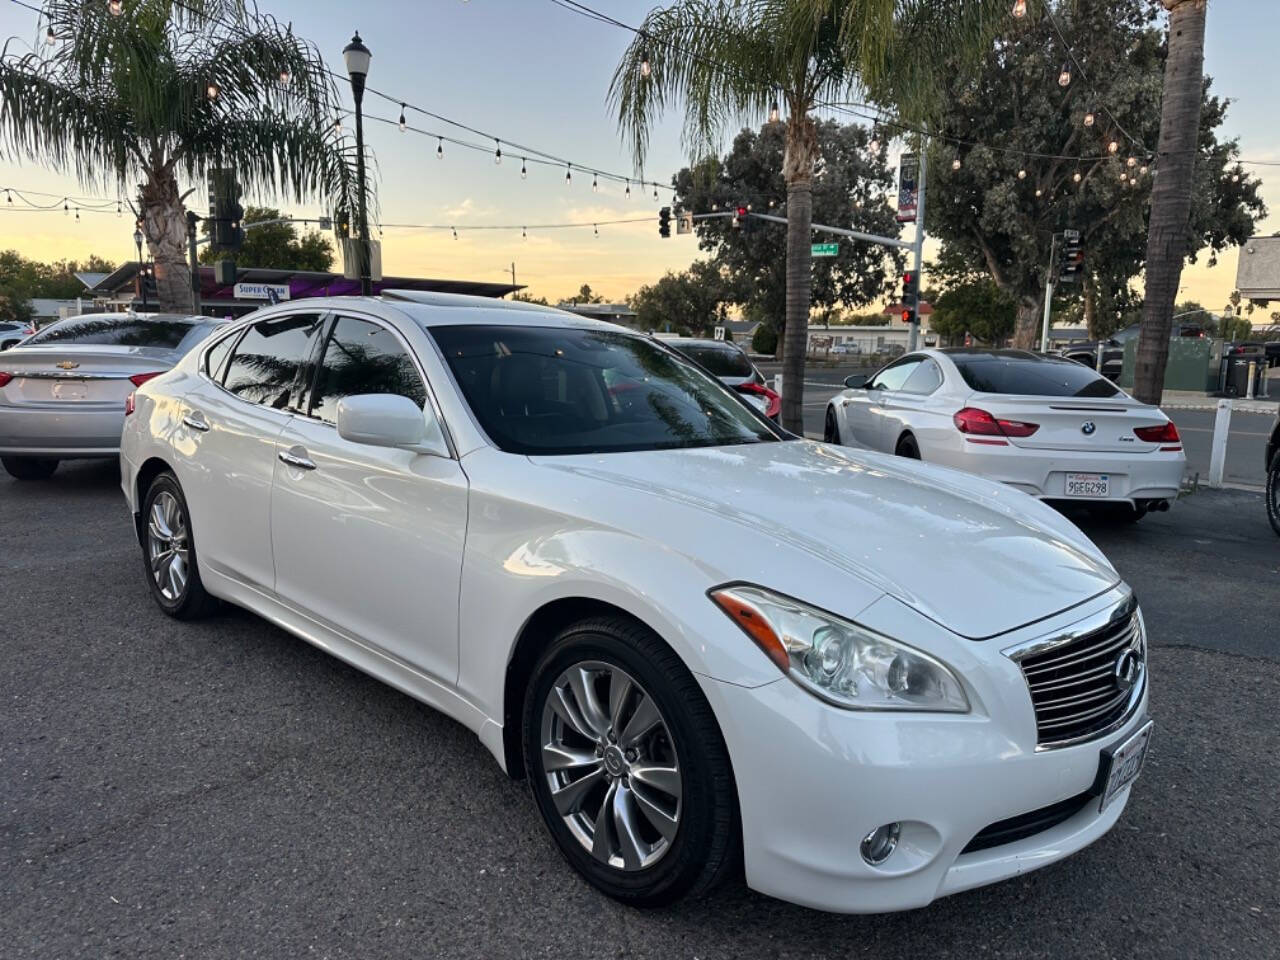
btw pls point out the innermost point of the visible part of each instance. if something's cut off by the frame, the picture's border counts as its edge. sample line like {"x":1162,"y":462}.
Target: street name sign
{"x":825,"y":250}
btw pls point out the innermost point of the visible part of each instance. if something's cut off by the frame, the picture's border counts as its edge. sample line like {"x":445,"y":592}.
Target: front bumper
{"x":61,"y":430}
{"x":813,"y":780}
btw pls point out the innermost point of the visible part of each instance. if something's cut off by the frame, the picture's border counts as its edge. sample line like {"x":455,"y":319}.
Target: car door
{"x":225,"y":447}
{"x":865,"y":408}
{"x":369,"y":539}
{"x":907,"y":409}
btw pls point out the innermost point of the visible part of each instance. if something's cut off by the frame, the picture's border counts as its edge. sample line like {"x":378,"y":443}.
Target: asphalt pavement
{"x":223,"y":789}
{"x":1246,"y":441}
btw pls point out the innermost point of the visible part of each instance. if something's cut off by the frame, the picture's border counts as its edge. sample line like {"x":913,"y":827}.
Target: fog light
{"x":880,"y":843}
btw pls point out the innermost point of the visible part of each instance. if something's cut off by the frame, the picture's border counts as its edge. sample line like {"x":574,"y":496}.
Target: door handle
{"x":196,"y":421}
{"x":293,"y":460}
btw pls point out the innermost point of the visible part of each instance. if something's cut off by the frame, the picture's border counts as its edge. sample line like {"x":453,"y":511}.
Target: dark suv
{"x":1273,"y":475}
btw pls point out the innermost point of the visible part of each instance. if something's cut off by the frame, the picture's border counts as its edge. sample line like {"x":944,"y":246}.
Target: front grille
{"x":1073,"y":684}
{"x":1028,"y":824}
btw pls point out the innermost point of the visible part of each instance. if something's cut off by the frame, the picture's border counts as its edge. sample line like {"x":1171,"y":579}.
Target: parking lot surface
{"x":222,"y":789}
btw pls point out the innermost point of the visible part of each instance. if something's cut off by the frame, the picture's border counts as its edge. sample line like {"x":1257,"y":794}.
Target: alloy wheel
{"x":168,"y":546}
{"x":611,"y":765}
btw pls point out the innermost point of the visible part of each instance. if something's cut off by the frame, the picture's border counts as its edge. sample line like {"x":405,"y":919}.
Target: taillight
{"x":5,"y":378}
{"x":1164,"y":433}
{"x":773,"y":401}
{"x":138,"y":379}
{"x":977,"y":422}
{"x":129,"y":403}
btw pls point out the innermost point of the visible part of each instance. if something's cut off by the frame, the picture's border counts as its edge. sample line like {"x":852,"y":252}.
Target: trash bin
{"x":1236,"y":380}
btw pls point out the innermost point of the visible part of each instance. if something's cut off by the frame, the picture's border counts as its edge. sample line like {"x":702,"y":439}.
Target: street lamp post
{"x":357,"y":57}
{"x":142,"y":280}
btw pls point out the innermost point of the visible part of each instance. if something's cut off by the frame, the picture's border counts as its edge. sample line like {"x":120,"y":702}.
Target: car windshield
{"x":122,"y":330}
{"x":560,"y":390}
{"x":1030,"y":376}
{"x":723,"y":361}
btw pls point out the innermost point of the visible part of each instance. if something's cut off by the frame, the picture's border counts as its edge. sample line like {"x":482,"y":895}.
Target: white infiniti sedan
{"x":1047,"y":426}
{"x":876,"y":681}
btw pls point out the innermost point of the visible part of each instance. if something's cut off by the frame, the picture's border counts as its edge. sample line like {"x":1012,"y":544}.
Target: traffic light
{"x":910,"y":296}
{"x":1072,"y":268}
{"x":225,"y":210}
{"x":342,"y":225}
{"x":664,"y":222}
{"x":740,"y":219}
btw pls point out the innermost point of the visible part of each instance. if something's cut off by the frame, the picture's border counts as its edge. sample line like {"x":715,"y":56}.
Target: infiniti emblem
{"x":1088,"y":427}
{"x":1127,"y":670}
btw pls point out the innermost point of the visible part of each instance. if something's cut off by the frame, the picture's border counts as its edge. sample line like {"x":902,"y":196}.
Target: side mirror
{"x":390,"y":420}
{"x":856,"y":382}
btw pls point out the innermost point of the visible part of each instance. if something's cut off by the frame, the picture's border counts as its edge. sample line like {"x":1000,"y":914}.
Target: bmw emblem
{"x":1088,"y":427}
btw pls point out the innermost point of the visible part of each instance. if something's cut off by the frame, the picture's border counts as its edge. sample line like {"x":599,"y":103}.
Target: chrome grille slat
{"x":1072,"y":680}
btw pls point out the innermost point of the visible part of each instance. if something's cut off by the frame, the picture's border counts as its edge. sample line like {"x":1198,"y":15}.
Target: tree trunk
{"x":1091,"y":309}
{"x":164,"y":223}
{"x":1029,"y":320}
{"x":1171,"y":193}
{"x":797,"y":169}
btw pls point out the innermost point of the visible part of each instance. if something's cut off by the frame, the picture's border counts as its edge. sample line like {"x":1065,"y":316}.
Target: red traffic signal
{"x":742,"y":213}
{"x":907,"y":315}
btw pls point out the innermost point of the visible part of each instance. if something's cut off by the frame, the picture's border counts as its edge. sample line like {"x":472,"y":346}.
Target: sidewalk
{"x":1192,"y":400}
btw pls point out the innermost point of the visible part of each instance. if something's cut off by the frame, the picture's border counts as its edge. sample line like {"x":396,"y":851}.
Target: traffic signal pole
{"x":913,"y":341}
{"x":1048,"y":295}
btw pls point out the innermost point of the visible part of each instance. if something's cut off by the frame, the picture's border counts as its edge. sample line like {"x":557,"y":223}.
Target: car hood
{"x":976,"y":557}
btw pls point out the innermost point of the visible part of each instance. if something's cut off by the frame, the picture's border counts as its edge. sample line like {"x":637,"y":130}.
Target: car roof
{"x":997,"y":353}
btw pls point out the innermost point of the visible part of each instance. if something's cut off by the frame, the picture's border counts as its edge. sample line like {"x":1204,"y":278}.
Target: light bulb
{"x":628,"y":189}
{"x":645,"y":69}
{"x":440,"y":148}
{"x":655,"y":193}
{"x":955,"y":164}
{"x":50,"y":37}
{"x":1064,"y":76}
{"x":1113,"y":146}
{"x":285,"y":77}
{"x":1020,"y":8}
{"x":77,"y":214}
{"x":337,"y":125}
{"x":1039,"y":192}
{"x":1133,"y":182}
{"x":1131,"y":162}
{"x":455,"y":232}
{"x":1089,"y":119}
{"x":1022,"y":174}
{"x":65,"y":208}
{"x":116,"y":8}
{"x":595,"y":184}
{"x":773,"y":109}
{"x":404,"y":124}
{"x":874,"y":145}
{"x":1235,"y":178}
{"x":8,"y":196}
{"x":211,"y":91}
{"x":524,"y":234}
{"x":1143,"y":169}
{"x":1076,"y":176}
{"x":497,"y":152}
{"x":568,"y":175}
{"x":118,"y":210}
{"x":770,"y":204}
{"x":595,"y":228}
{"x":524,"y":170}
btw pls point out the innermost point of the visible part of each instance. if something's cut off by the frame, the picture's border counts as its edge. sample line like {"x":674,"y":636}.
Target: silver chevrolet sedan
{"x":63,"y":390}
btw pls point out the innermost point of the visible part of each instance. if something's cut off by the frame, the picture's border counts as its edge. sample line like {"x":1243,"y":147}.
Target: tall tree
{"x":732,"y":63}
{"x":276,"y":245}
{"x":157,"y":90}
{"x":1005,"y":183}
{"x":691,"y":302}
{"x":1171,"y":199}
{"x":848,"y":191}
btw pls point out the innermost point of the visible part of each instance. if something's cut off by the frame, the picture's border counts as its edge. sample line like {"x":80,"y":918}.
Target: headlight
{"x":841,"y":662}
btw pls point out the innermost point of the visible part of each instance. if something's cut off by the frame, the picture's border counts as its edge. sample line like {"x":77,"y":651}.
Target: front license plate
{"x":1088,"y":485}
{"x":70,"y":390}
{"x":1121,"y":765}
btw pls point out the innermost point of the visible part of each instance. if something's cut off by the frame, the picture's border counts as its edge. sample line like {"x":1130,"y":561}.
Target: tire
{"x":684,"y":842}
{"x":1273,"y":493}
{"x":830,"y":429}
{"x":175,"y":586}
{"x":907,"y":447}
{"x":29,"y":468}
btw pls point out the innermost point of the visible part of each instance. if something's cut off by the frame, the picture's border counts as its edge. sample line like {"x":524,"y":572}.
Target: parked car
{"x":63,"y":390}
{"x":1044,"y":425}
{"x":11,"y":333}
{"x":730,"y":363}
{"x":697,"y":635}
{"x":1273,"y":476}
{"x":1086,"y":351}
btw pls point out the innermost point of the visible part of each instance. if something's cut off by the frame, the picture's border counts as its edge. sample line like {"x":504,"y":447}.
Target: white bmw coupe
{"x":874,"y":681}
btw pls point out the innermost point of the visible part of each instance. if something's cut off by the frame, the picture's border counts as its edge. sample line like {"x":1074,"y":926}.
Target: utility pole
{"x":918,"y":256}
{"x":1048,"y":294}
{"x":192,"y":219}
{"x":513,"y":276}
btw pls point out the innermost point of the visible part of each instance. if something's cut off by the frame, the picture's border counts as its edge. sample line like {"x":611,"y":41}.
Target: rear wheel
{"x":169,"y":553}
{"x":628,"y":766}
{"x":29,"y":468}
{"x":907,"y":447}
{"x":1273,"y":493}
{"x":830,"y":431}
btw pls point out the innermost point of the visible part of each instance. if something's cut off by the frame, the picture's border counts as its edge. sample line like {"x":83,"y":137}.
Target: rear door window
{"x":1031,"y":376}
{"x":363,"y":357}
{"x":926,"y":379}
{"x":265,"y":365}
{"x":122,"y":330}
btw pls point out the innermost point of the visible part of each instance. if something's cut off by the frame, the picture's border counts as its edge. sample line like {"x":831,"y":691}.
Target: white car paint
{"x":1139,"y":472}
{"x":423,"y":571}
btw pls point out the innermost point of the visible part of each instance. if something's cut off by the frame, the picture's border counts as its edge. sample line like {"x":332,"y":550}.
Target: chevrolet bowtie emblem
{"x":67,"y":365}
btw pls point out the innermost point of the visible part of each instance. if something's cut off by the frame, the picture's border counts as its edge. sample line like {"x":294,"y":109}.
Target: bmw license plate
{"x":1121,"y":765}
{"x":1088,"y":485}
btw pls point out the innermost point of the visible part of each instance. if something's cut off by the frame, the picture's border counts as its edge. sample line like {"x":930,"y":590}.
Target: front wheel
{"x":1273,"y":493}
{"x":169,"y":553}
{"x":628,"y":766}
{"x":29,"y":468}
{"x":830,"y":429}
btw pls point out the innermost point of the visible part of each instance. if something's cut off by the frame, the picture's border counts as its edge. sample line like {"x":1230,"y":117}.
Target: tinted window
{"x":362,"y":357}
{"x":892,"y":378}
{"x":264,"y":366}
{"x":925,"y":379}
{"x":721,"y":361}
{"x":561,"y":391}
{"x":216,"y":357}
{"x":1029,"y":375}
{"x":117,"y":330}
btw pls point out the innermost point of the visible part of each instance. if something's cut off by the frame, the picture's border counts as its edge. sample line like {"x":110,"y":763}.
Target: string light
{"x":645,"y":68}
{"x":628,"y":189}
{"x":118,"y":210}
{"x":285,"y":78}
{"x":524,"y":234}
{"x":1131,"y":162}
{"x":404,"y":124}
{"x":655,"y":192}
{"x":773,"y":112}
{"x":595,"y":228}
{"x":1235,"y":178}
{"x":1020,"y":8}
{"x":116,"y":8}
{"x":65,"y":208}
{"x":1022,"y":174}
{"x":955,"y":164}
{"x":440,"y":149}
{"x":1113,"y":146}
{"x":874,"y":145}
{"x":77,"y":214}
{"x":1076,"y":176}
{"x":524,"y":170}
{"x":211,"y":91}
{"x":1039,"y":192}
{"x":568,"y":174}
{"x":50,"y":38}
{"x":455,"y":232}
{"x":497,"y":153}
{"x":1089,"y":118}
{"x":337,"y":125}
{"x":595,"y":184}
{"x":8,"y":196}
{"x":1143,"y":169}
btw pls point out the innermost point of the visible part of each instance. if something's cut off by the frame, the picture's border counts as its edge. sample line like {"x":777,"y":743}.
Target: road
{"x":222,"y":789}
{"x":1246,"y":442}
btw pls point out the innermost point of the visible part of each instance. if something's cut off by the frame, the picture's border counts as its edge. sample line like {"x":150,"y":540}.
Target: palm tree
{"x":1171,"y":192}
{"x":732,"y":62}
{"x":154,"y":91}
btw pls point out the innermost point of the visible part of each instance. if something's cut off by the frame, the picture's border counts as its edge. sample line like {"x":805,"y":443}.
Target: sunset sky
{"x":530,"y":71}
